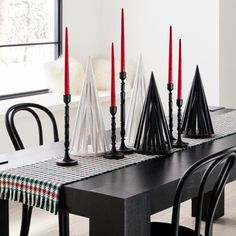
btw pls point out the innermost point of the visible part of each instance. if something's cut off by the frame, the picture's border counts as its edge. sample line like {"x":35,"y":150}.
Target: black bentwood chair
{"x":224,"y":162}
{"x":33,"y":109}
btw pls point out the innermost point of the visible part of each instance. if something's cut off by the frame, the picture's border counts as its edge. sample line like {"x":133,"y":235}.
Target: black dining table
{"x":120,"y":203}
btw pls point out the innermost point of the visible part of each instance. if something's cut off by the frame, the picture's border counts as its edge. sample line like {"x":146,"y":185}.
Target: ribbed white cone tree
{"x":136,"y":104}
{"x":89,"y":136}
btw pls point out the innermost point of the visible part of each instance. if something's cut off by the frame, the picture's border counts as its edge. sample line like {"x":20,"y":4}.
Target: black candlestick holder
{"x":170,"y":87}
{"x":123,"y":148}
{"x":67,"y":161}
{"x":113,"y":154}
{"x":179,"y":143}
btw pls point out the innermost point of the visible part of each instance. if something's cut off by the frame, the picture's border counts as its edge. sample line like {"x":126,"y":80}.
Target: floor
{"x":45,"y":224}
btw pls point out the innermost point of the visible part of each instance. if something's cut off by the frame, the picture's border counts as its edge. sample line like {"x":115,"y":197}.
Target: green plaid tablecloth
{"x":39,"y":184}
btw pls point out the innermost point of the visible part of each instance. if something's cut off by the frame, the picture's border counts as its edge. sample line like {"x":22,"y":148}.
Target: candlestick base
{"x":67,"y":162}
{"x":180,"y":144}
{"x":125,"y":149}
{"x":114,"y":155}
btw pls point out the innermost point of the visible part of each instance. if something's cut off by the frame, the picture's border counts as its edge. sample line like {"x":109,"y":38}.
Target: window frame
{"x":58,"y":14}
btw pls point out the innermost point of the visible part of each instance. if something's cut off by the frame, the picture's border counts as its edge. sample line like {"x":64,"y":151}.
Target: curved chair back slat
{"x":224,"y":160}
{"x":217,"y":191}
{"x":32,"y":109}
{"x":15,"y":133}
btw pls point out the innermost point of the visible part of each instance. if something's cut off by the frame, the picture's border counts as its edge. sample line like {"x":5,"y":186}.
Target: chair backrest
{"x":32,"y":108}
{"x":222,"y":162}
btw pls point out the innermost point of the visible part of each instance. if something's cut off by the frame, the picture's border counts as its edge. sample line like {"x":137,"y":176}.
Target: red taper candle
{"x":113,"y":82}
{"x":179,"y":95}
{"x":170,"y":68}
{"x":122,"y":58}
{"x":66,"y":76}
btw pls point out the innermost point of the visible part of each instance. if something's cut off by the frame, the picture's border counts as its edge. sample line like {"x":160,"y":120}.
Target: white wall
{"x":83,"y":20}
{"x":93,"y":25}
{"x":147,"y":31}
{"x":227,"y":53}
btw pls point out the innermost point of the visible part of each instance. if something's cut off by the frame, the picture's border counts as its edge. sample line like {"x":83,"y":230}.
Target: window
{"x":30,"y":35}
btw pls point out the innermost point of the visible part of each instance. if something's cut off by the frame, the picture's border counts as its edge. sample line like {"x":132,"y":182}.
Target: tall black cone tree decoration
{"x":196,"y":119}
{"x":153,"y":134}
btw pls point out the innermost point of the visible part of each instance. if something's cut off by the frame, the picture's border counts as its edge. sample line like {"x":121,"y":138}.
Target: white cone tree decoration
{"x":89,"y":136}
{"x":136,"y":104}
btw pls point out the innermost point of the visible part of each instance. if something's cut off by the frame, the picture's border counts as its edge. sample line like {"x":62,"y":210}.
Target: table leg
{"x":220,"y":210}
{"x":118,"y":217}
{"x":63,"y":220}
{"x":4,"y":218}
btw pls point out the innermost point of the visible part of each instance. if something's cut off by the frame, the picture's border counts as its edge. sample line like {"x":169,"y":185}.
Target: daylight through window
{"x":29,"y":37}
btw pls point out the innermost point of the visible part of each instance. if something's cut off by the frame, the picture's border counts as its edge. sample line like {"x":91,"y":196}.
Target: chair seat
{"x":165,"y":229}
